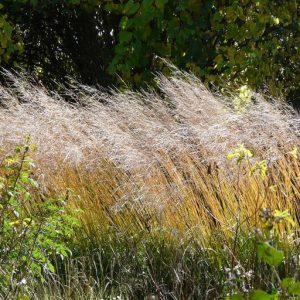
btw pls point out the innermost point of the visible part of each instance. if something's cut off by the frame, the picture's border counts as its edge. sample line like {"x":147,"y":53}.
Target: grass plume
{"x":150,"y":173}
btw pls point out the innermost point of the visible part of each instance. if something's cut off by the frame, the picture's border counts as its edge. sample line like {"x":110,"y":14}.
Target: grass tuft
{"x":164,"y":211}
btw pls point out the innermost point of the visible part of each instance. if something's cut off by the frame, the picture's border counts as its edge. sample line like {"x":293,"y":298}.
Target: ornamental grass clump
{"x":171,"y":185}
{"x":136,"y":129}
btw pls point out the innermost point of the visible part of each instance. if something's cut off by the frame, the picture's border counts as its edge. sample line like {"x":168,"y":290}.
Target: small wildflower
{"x":240,"y":153}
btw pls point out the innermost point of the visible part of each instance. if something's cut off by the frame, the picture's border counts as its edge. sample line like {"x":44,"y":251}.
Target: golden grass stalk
{"x":139,"y":161}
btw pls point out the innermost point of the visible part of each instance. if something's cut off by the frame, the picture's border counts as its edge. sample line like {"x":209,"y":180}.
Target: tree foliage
{"x":249,"y":41}
{"x":63,"y":38}
{"x":10,"y":41}
{"x":259,"y":42}
{"x":245,"y":42}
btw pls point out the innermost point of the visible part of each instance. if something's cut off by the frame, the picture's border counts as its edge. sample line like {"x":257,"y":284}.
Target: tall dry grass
{"x":145,"y":147}
{"x":145,"y":161}
{"x":135,"y":129}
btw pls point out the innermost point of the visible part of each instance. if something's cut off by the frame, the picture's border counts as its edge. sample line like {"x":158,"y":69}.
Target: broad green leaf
{"x":286,"y":282}
{"x":261,"y":295}
{"x":131,"y":8}
{"x":160,"y":3}
{"x":284,"y":215}
{"x":275,"y":20}
{"x":147,"y":3}
{"x":24,"y":297}
{"x":236,"y":297}
{"x":125,"y":36}
{"x":294,"y":288}
{"x":35,"y":2}
{"x":231,"y":14}
{"x":123,"y":22}
{"x":50,"y":267}
{"x":269,"y":254}
{"x":112,"y":6}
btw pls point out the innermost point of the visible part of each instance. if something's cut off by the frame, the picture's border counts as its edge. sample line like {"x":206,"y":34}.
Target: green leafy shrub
{"x":274,"y":236}
{"x":33,"y":228}
{"x":268,"y":242}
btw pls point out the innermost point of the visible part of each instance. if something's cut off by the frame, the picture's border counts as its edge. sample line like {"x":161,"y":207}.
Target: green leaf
{"x":131,"y":8}
{"x":50,"y":267}
{"x":269,"y":254}
{"x":34,"y":2}
{"x":236,"y":297}
{"x":112,"y":7}
{"x":284,"y":215}
{"x":161,"y":2}
{"x":231,"y":14}
{"x":275,"y":20}
{"x":294,"y":289}
{"x":23,"y":297}
{"x":286,"y":282}
{"x":125,"y":36}
{"x":123,"y":22}
{"x":261,"y":295}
